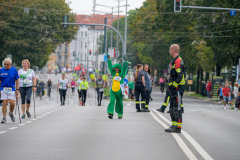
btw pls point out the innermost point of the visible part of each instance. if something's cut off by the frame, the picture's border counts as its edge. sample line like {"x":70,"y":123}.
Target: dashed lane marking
{"x":179,"y":140}
{"x":29,"y":122}
{"x":21,"y":124}
{"x":195,"y":144}
{"x":1,"y":132}
{"x":13,"y":128}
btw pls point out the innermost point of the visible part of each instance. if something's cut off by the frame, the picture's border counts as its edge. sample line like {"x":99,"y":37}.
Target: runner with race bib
{"x":100,"y":88}
{"x":79,"y":91}
{"x":26,"y":83}
{"x":83,"y":87}
{"x":9,"y":81}
{"x":62,"y":86}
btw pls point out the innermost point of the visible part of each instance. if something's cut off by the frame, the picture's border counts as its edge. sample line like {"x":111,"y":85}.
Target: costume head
{"x":119,"y":66}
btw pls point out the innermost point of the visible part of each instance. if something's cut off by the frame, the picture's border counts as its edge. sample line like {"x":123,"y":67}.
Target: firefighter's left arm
{"x":179,"y":71}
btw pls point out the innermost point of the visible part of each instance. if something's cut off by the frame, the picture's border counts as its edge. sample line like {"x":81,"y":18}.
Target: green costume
{"x":116,"y":92}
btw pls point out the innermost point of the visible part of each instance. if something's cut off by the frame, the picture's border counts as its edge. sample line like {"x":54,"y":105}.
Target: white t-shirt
{"x":26,"y":78}
{"x":78,"y":82}
{"x":63,"y":84}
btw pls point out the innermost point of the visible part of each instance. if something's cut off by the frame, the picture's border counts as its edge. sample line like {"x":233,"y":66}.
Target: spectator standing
{"x":209,"y":87}
{"x":221,"y":93}
{"x":236,"y":95}
{"x":226,"y":95}
{"x":162,"y":83}
{"x":231,"y":90}
{"x":203,"y":88}
{"x":155,"y":81}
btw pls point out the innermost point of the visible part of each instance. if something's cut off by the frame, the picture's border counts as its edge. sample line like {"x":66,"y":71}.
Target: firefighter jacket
{"x":177,"y":73}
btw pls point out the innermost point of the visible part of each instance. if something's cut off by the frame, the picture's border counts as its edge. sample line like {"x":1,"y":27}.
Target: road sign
{"x":125,"y":81}
{"x":232,"y":13}
{"x":165,"y":71}
{"x":190,"y":82}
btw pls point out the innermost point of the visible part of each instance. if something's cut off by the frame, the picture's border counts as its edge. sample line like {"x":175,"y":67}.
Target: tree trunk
{"x":207,"y":76}
{"x":198,"y":74}
{"x":201,"y":79}
{"x":218,"y":69}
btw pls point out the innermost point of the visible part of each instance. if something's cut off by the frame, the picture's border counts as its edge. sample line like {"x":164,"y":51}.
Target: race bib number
{"x":122,"y":88}
{"x":82,"y":86}
{"x":117,"y":78}
{"x":72,"y":86}
{"x":101,"y":90}
{"x":7,"y":89}
{"x":27,"y":81}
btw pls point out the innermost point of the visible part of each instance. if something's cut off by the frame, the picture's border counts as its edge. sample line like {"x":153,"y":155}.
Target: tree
{"x":33,"y":35}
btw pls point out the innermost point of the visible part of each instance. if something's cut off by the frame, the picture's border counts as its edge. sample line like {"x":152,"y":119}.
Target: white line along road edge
{"x":179,"y":140}
{"x":195,"y":144}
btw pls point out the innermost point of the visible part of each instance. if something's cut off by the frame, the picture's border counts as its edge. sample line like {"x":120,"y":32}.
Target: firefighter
{"x":176,"y":78}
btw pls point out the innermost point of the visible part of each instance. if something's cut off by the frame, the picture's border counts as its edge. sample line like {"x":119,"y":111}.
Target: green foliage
{"x":21,"y":33}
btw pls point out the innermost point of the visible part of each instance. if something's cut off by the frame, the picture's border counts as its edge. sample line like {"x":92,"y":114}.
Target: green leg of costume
{"x":119,"y":102}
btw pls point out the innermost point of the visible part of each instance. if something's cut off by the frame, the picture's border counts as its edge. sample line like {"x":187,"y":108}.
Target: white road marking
{"x":13,"y":128}
{"x":34,"y":119}
{"x":195,"y":144}
{"x":179,"y":140}
{"x":21,"y":124}
{"x":44,"y":114}
{"x":194,"y":110}
{"x":29,"y":122}
{"x":39,"y":117}
{"x":1,"y":132}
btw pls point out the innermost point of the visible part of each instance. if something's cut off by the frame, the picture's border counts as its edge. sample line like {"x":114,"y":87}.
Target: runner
{"x":50,"y":85}
{"x":26,"y":83}
{"x":100,"y":88}
{"x":62,"y":86}
{"x":8,"y":79}
{"x":73,"y":84}
{"x":79,"y":91}
{"x":83,"y":87}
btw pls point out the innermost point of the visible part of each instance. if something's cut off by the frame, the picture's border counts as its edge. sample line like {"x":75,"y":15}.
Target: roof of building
{"x":97,"y":19}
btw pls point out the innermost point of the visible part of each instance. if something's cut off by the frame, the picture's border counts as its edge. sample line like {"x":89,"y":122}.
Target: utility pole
{"x":88,"y":56}
{"x":125,"y":34}
{"x":112,"y":26}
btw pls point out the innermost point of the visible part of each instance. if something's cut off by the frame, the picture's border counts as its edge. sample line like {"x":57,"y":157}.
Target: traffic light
{"x":65,"y":20}
{"x":177,"y":5}
{"x":234,"y":70}
{"x":90,"y":52}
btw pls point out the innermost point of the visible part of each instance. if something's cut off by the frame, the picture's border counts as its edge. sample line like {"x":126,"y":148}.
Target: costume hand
{"x":107,"y":55}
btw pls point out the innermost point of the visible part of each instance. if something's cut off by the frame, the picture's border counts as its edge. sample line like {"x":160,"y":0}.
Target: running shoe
{"x":79,"y":103}
{"x":28,"y":114}
{"x":23,"y":116}
{"x":12,"y":117}
{"x":4,"y":120}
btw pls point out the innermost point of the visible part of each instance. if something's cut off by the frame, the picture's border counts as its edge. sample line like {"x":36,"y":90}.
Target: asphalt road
{"x":85,"y":132}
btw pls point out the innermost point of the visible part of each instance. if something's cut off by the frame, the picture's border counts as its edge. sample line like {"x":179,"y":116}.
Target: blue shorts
{"x":226,"y":99}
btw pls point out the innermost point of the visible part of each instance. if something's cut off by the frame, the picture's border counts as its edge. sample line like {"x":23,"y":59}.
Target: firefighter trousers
{"x":140,"y":89}
{"x":175,"y":109}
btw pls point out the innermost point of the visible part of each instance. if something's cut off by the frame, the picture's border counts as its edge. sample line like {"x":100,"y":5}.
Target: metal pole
{"x":88,"y":58}
{"x":112,"y":26}
{"x":125,"y":49}
{"x":117,"y":29}
{"x":213,"y":8}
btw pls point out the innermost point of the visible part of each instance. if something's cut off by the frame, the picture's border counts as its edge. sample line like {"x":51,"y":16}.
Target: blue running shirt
{"x":8,"y":77}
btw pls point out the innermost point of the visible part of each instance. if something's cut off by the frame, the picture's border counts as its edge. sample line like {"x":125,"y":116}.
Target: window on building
{"x":82,"y":34}
{"x":85,"y":33}
{"x":81,"y":45}
{"x":85,"y":45}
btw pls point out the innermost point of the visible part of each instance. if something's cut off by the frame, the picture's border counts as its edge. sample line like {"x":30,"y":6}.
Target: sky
{"x":86,"y":6}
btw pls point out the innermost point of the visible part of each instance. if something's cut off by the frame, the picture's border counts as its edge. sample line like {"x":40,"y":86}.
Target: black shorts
{"x":221,"y":98}
{"x":79,"y":94}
